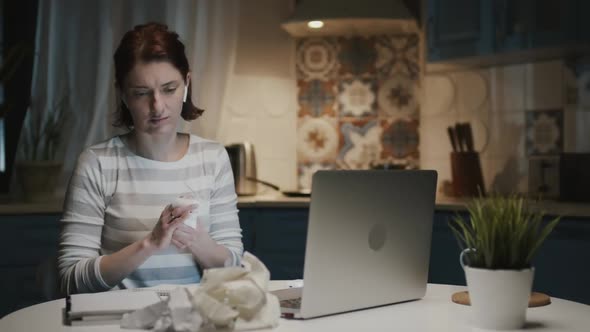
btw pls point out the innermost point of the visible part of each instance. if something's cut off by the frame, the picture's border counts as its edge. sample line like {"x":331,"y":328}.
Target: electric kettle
{"x":243,"y":164}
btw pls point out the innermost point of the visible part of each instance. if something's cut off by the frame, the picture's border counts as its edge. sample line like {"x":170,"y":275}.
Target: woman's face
{"x":153,"y":92}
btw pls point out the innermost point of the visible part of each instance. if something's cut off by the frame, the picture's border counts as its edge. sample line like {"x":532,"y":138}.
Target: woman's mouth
{"x":158,"y":120}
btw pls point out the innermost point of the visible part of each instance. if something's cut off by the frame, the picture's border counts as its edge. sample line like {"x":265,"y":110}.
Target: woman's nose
{"x":157,"y":102}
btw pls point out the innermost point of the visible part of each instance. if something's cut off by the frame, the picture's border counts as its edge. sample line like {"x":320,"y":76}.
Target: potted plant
{"x":39,"y":169}
{"x":498,"y":242}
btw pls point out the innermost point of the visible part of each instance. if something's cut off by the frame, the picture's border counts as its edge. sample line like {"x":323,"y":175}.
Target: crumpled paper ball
{"x":229,"y":298}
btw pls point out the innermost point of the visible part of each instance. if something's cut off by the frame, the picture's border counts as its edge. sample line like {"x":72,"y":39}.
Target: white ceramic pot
{"x":499,"y":298}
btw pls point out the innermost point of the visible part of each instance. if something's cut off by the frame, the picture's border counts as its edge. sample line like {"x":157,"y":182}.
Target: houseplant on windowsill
{"x":499,"y":240}
{"x":38,"y":168}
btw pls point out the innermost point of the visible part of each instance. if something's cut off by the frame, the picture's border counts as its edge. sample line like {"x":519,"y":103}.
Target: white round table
{"x":435,"y":312}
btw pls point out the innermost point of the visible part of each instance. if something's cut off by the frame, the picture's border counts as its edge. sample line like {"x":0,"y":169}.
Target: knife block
{"x":466,"y":174}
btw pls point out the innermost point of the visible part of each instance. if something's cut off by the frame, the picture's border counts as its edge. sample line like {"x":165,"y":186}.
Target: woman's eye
{"x":169,"y":90}
{"x":138,"y":94}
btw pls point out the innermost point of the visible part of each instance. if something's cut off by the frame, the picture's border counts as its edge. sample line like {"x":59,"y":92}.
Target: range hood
{"x":349,"y":18}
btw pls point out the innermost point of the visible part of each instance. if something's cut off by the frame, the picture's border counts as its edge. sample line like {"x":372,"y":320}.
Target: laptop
{"x":369,"y":236}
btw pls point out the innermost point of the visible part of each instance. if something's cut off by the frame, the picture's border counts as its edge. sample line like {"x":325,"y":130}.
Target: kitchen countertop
{"x":442,"y":204}
{"x":549,"y":207}
{"x":277,"y":200}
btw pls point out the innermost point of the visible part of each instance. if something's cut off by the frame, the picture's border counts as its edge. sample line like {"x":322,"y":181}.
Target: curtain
{"x":75,"y":43}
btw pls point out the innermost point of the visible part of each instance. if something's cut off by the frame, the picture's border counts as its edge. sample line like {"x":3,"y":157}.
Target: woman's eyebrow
{"x":147,"y":87}
{"x":139,"y":87}
{"x":170,"y":83}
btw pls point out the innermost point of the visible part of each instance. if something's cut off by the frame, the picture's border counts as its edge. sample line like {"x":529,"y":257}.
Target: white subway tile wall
{"x":544,"y":85}
{"x":497,"y":102}
{"x":262,"y":110}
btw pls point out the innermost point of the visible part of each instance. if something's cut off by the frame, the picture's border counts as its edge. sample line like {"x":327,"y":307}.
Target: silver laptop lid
{"x":368,"y":239}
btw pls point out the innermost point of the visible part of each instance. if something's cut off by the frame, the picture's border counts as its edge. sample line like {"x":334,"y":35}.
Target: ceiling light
{"x":315,"y":24}
{"x":338,"y":17}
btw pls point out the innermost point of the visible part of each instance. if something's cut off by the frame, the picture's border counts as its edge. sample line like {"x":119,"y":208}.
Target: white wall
{"x":495,"y":100}
{"x":260,"y":104}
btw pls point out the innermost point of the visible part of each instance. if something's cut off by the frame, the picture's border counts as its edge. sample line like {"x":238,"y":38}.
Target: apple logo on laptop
{"x":377,"y":236}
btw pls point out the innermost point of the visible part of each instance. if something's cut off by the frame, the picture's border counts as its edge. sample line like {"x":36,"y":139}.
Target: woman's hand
{"x":118,"y":265}
{"x":204,"y":249}
{"x":187,"y":237}
{"x":170,"y":219}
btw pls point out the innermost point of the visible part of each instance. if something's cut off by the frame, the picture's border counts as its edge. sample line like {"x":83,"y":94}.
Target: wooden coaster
{"x":536,"y":299}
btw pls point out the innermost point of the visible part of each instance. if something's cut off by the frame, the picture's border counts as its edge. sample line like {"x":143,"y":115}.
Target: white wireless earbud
{"x":185,"y":93}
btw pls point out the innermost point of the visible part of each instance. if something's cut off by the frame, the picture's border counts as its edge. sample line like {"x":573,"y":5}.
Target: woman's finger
{"x":169,"y":228}
{"x":185,"y":229}
{"x":179,"y":210}
{"x":182,"y":233}
{"x":178,"y":244}
{"x":200,"y":227}
{"x":174,"y":224}
{"x":168,"y":215}
{"x":165,"y":212}
{"x":177,"y":213}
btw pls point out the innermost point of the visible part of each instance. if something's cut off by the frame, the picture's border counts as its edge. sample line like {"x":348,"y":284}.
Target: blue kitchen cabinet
{"x":554,"y":23}
{"x":511,"y":19}
{"x":459,"y":28}
{"x":279,"y":240}
{"x":26,"y":241}
{"x":247,"y":217}
{"x":535,"y":24}
{"x":561,"y":265}
{"x":277,"y":236}
{"x":280,"y":237}
{"x":444,"y":252}
{"x":464,"y":28}
{"x":584,"y":22}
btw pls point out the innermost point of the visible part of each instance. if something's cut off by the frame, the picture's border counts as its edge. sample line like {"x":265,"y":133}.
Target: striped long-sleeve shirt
{"x":115,"y":198}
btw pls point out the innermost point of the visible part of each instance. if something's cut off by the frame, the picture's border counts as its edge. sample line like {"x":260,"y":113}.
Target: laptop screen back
{"x":368,"y":240}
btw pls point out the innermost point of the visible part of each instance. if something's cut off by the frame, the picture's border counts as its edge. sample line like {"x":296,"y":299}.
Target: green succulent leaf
{"x":504,"y":231}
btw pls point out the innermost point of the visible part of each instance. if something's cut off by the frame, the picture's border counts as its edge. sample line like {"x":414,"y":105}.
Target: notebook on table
{"x":106,"y":307}
{"x":369,"y":235}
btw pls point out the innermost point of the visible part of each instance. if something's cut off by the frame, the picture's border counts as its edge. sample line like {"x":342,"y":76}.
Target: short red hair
{"x":146,"y":43}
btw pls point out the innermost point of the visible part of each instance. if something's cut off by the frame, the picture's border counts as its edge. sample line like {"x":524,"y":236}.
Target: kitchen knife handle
{"x":468,"y":137}
{"x":459,"y":136}
{"x":451,"y":133}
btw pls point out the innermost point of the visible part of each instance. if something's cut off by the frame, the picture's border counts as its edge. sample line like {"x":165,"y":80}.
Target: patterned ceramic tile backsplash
{"x":544,"y":132}
{"x":358,"y":102}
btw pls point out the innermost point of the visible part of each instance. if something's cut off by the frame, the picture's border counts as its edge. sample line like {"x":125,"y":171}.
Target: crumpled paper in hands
{"x":229,"y":298}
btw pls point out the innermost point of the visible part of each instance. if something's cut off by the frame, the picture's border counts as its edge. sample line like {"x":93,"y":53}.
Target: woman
{"x":119,"y":228}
